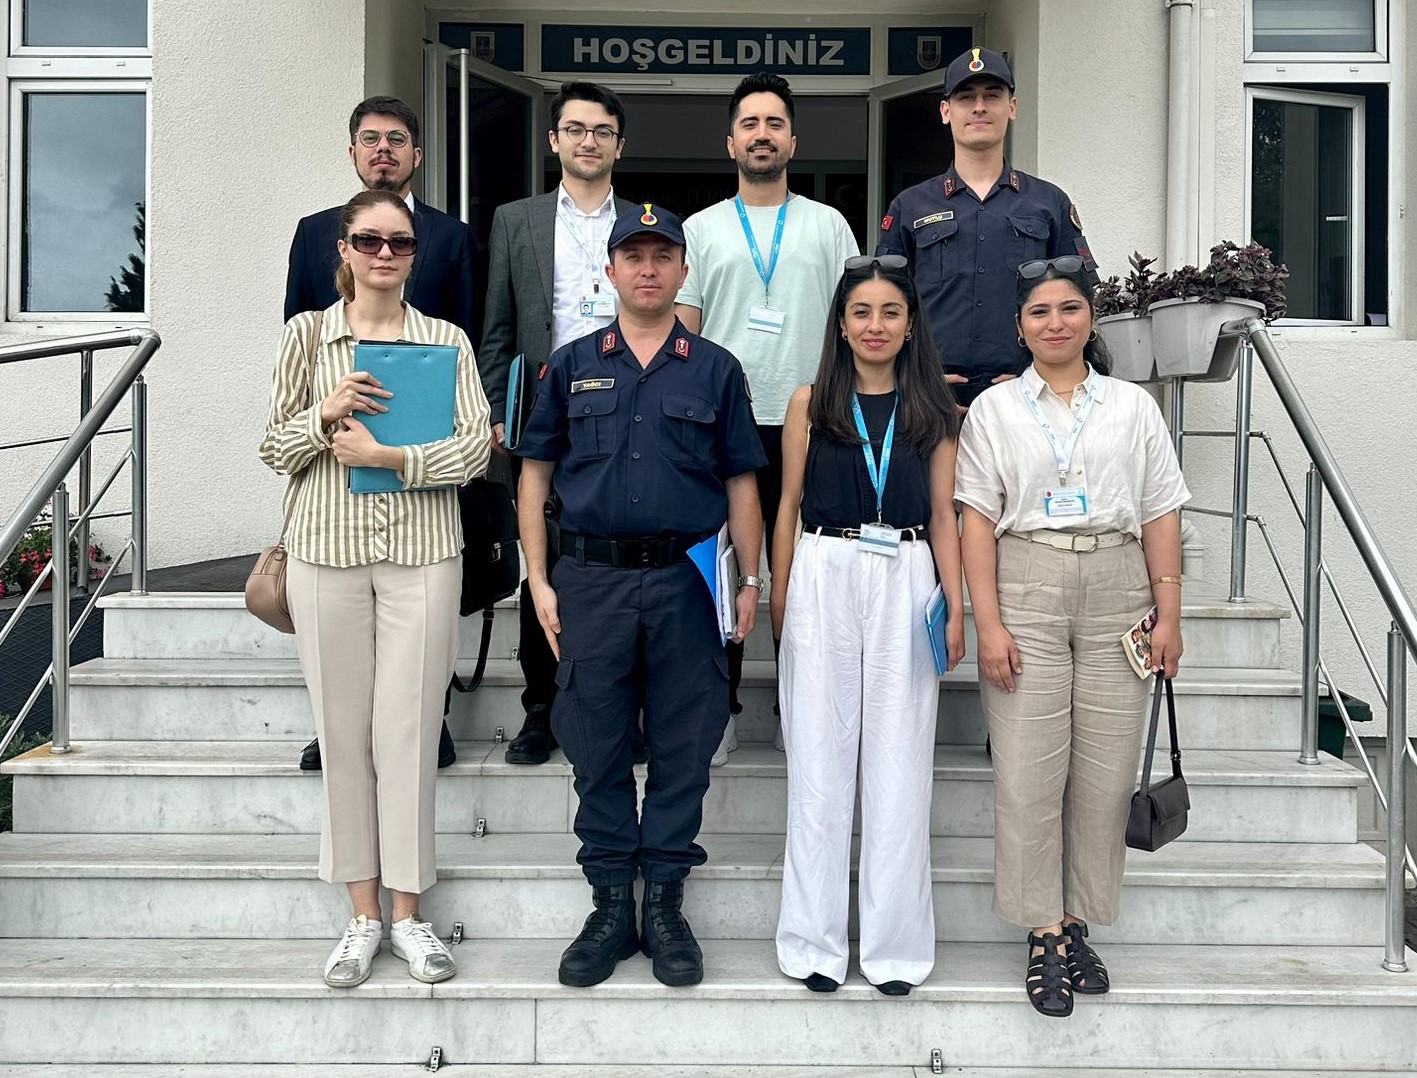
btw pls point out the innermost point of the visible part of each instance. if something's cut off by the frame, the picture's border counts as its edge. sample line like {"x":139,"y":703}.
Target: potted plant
{"x":1123,"y":323}
{"x":32,"y":553}
{"x":1189,"y":306}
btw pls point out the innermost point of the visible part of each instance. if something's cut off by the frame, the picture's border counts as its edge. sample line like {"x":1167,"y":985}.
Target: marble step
{"x":207,"y":625}
{"x":530,"y":887}
{"x":1171,"y":1007}
{"x":259,"y":699}
{"x":256,"y":787}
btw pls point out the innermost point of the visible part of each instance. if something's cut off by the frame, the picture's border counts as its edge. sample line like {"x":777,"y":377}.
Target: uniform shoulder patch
{"x":886,"y":223}
{"x":681,"y":347}
{"x":607,"y":343}
{"x":1074,"y":217}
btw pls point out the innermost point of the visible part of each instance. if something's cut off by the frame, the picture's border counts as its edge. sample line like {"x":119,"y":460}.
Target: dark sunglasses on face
{"x":367,"y":243}
{"x":887,"y":261}
{"x":397,"y":138}
{"x":1030,"y":271}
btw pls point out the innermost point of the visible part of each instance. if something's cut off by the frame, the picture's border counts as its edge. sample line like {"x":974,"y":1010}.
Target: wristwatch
{"x":750,"y":582}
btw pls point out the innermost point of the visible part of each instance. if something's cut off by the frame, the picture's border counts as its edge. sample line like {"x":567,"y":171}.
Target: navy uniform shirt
{"x":964,"y":256}
{"x":643,"y":451}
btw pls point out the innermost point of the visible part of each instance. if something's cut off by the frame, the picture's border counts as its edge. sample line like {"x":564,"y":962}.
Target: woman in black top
{"x":869,"y":461}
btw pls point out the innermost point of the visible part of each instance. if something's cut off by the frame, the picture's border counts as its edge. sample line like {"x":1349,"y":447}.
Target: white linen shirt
{"x":579,"y":256}
{"x":1123,"y":458}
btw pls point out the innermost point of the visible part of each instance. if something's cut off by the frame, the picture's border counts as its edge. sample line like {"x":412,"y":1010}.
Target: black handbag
{"x":491,"y":569}
{"x":1158,"y":813}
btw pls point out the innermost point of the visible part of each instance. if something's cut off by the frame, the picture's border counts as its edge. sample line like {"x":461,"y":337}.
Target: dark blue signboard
{"x":500,"y":43}
{"x":706,"y":50}
{"x":914,"y":50}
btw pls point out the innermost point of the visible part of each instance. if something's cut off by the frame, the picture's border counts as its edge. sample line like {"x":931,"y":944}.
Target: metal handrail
{"x":50,"y":487}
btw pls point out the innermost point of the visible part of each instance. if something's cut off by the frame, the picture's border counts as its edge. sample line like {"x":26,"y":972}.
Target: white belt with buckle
{"x":1076,"y":542}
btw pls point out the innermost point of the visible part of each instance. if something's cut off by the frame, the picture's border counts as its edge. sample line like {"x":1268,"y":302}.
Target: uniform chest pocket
{"x":686,"y":431}
{"x":1028,"y":238}
{"x":937,"y":248}
{"x":591,"y":417}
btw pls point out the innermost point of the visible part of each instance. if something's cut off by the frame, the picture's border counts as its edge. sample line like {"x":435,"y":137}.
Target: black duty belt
{"x":651,"y":552}
{"x":919,"y":531}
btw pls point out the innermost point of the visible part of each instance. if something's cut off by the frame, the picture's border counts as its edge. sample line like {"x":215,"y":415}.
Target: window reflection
{"x":1315,"y":26}
{"x":76,"y":23}
{"x":84,"y":190}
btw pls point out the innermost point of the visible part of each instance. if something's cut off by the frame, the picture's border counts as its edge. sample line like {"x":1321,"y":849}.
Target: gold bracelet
{"x":1166,"y":580}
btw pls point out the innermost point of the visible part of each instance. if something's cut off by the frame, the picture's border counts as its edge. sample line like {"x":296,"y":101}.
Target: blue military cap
{"x":655,"y":221}
{"x":977,"y":64}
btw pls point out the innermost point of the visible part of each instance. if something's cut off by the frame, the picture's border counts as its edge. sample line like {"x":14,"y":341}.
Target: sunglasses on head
{"x":368,"y":243}
{"x":857,"y":262}
{"x":1031,"y":271}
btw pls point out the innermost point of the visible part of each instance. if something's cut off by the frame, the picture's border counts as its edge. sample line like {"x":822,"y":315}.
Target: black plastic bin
{"x":1332,"y":736}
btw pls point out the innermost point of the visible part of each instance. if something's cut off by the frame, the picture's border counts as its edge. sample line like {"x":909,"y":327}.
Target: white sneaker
{"x":352,"y":957}
{"x":727,"y":745}
{"x":428,"y":957}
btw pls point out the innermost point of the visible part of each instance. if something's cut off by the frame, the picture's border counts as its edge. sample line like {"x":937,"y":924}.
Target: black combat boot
{"x":665,"y":935}
{"x":608,"y":937}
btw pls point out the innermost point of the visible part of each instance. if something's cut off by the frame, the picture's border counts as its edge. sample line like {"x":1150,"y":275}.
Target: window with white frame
{"x":77,"y":87}
{"x":1325,"y":29}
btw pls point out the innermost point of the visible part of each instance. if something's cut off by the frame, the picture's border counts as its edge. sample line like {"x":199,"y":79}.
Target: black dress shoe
{"x":535,"y":743}
{"x":894,"y":988}
{"x":665,"y":935}
{"x":310,"y":756}
{"x":608,"y":937}
{"x":820,"y":982}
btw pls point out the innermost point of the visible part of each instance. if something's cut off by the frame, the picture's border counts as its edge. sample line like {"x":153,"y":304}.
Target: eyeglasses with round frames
{"x":577,"y":132}
{"x":1030,"y":271}
{"x":369,"y":243}
{"x":397,"y":138}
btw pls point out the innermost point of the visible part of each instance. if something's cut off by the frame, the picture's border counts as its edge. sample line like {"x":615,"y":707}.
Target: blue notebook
{"x":937,"y":612}
{"x":423,"y":379}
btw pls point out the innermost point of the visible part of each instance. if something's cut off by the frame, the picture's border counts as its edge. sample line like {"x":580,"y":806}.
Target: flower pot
{"x":1128,"y":341}
{"x":1186,"y":336}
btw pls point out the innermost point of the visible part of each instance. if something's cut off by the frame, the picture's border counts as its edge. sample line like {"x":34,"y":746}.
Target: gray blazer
{"x":520,"y":277}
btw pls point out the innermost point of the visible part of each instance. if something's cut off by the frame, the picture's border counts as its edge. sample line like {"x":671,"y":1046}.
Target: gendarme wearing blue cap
{"x":646,"y":433}
{"x":966,"y":231}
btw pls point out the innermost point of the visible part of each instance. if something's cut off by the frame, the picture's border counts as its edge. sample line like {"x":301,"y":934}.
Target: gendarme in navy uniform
{"x":965,"y":250}
{"x":646,"y":433}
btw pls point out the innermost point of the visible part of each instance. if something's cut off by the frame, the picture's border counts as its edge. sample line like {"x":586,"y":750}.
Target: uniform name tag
{"x":947,"y":215}
{"x":766,"y":319}
{"x":879,"y":539}
{"x":592,"y":383}
{"x":1065,"y":502}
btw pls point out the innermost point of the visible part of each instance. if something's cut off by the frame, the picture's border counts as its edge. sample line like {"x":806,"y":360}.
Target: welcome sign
{"x":706,"y":50}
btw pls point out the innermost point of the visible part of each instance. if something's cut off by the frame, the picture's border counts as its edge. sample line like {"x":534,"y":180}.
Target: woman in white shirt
{"x":1070,"y":492}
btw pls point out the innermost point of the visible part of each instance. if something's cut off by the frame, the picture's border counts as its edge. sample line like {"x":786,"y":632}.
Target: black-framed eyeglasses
{"x":1032,"y":270}
{"x":577,"y":132}
{"x":856,"y":262}
{"x":397,"y":138}
{"x":369,"y":243}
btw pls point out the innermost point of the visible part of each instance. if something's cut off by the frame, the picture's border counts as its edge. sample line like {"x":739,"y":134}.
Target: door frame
{"x":877,"y":96}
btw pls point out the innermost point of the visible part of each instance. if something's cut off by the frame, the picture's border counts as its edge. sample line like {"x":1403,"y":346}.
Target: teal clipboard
{"x":937,"y":613}
{"x":512,"y":429}
{"x":423,"y":379}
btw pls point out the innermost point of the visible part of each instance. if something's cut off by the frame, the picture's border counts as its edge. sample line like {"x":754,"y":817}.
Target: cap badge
{"x":976,"y":64}
{"x":648,"y":217}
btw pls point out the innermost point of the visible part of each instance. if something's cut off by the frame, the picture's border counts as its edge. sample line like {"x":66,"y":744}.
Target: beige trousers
{"x":377,"y":645}
{"x":1067,"y":741}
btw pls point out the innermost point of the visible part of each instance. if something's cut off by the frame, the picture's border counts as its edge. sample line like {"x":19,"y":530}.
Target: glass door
{"x":908,"y":143}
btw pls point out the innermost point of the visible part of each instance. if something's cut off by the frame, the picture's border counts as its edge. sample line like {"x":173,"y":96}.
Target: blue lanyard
{"x":765,"y":274}
{"x":1062,"y":454}
{"x":878,"y":478}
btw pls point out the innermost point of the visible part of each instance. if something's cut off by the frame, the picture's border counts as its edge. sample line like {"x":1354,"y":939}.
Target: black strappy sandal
{"x":1047,"y":984}
{"x":1086,"y":970}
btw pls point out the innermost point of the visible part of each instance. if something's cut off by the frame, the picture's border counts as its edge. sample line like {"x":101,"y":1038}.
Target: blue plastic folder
{"x":937,"y":612}
{"x":512,"y":429}
{"x":423,"y":379}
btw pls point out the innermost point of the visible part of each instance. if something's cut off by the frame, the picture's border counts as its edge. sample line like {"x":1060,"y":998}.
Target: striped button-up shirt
{"x":327,"y":525}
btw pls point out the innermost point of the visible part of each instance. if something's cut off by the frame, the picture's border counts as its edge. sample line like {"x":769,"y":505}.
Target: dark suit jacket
{"x":520,"y":279}
{"x":441,"y":284}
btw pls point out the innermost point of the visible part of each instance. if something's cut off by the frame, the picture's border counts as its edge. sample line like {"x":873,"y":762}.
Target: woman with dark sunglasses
{"x":869,"y":462}
{"x":1070,"y":491}
{"x":374,"y":582}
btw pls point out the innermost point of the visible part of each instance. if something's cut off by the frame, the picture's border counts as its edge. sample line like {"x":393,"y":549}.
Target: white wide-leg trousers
{"x":858,"y":690}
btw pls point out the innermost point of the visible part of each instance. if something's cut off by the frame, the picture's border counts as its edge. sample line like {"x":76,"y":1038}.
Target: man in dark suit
{"x":546,"y":287}
{"x":384,"y":149}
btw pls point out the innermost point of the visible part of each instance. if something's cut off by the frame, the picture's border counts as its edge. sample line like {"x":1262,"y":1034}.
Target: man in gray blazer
{"x":546,"y":287}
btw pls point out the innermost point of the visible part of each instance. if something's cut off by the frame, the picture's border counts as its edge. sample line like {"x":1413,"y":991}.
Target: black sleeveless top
{"x":836,"y":490}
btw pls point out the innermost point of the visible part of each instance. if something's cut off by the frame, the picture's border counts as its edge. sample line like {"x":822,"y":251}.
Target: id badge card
{"x":879,"y":539}
{"x":599,"y":305}
{"x":765,"y":319}
{"x":1065,"y":502}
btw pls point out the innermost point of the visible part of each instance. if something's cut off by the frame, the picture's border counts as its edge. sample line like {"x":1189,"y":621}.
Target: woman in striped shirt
{"x":374,"y":581}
